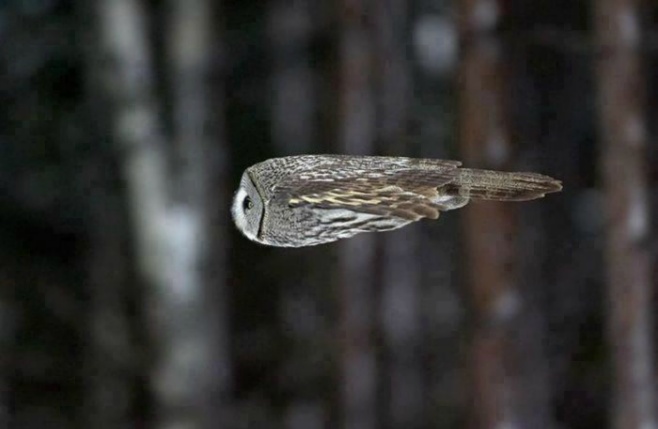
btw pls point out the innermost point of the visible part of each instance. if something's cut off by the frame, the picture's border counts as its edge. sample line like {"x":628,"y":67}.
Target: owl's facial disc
{"x":247,"y":209}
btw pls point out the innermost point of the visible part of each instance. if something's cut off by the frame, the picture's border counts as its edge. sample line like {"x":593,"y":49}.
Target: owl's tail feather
{"x":501,"y":186}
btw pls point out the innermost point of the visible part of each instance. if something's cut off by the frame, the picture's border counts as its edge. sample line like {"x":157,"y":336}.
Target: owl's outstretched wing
{"x":406,"y":190}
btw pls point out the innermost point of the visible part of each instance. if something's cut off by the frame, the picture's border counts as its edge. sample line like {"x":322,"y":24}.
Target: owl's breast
{"x":308,"y":225}
{"x":327,"y":225}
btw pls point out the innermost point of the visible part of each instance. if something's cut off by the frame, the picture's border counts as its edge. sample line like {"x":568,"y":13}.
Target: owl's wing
{"x":407,"y":191}
{"x":327,"y":167}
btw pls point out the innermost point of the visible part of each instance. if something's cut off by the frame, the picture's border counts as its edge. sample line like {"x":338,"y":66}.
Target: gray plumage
{"x":306,"y":200}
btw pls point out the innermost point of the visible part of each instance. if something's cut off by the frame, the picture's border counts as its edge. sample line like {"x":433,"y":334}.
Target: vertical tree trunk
{"x":623,"y":134}
{"x":402,"y":388}
{"x":111,"y":367}
{"x":294,"y":130}
{"x":7,"y":329}
{"x":356,"y":258}
{"x":177,"y":214}
{"x":111,"y":362}
{"x":293,"y":86}
{"x":489,"y":227}
{"x":196,"y":316}
{"x":532,"y":333}
{"x":121,"y":70}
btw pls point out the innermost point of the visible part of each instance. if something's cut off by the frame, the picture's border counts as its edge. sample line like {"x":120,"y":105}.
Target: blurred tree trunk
{"x":204,"y":192}
{"x":293,"y":86}
{"x":294,"y":130}
{"x":7,"y":344}
{"x":531,"y":334}
{"x":496,"y":298}
{"x":178,"y":212}
{"x":356,"y":258}
{"x":623,"y":134}
{"x":111,"y":362}
{"x":399,"y":271}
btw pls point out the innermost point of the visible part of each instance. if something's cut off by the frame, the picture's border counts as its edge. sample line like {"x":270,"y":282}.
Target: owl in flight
{"x":306,"y":200}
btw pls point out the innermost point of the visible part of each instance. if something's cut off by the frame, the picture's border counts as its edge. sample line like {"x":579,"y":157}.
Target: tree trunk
{"x":399,"y":273}
{"x":356,"y":258}
{"x":490,"y":229}
{"x":112,"y":356}
{"x":294,"y":130}
{"x":178,"y":213}
{"x":623,"y":134}
{"x":7,"y":343}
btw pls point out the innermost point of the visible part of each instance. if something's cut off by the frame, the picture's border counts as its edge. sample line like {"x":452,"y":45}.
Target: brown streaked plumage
{"x":312,"y":199}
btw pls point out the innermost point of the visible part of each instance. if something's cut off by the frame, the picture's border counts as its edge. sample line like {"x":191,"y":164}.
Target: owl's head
{"x":248,"y":208}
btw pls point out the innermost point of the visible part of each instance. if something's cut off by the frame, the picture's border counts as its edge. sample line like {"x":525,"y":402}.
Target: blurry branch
{"x":490,"y":229}
{"x":179,"y":257}
{"x":623,"y":134}
{"x":356,"y":259}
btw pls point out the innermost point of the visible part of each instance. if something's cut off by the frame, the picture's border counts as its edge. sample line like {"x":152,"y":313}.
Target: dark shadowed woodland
{"x":129,"y":300}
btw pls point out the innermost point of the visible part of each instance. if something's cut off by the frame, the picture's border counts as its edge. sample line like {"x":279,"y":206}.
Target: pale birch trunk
{"x":178,"y":198}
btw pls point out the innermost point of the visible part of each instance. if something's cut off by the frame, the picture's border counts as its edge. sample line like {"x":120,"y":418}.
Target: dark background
{"x":128,"y":299}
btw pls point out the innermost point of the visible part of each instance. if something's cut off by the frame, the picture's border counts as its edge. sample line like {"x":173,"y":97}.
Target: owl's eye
{"x":247,"y":204}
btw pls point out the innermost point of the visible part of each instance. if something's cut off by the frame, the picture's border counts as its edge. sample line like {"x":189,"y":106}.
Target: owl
{"x":307,"y":200}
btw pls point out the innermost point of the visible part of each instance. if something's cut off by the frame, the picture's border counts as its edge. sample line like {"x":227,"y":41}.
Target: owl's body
{"x":312,"y":199}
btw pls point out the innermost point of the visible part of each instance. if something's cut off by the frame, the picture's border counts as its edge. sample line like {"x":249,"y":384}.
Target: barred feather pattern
{"x":312,"y":199}
{"x":501,"y":186}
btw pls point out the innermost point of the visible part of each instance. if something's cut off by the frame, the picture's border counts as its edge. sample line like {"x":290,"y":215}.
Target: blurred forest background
{"x":128,"y":300}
